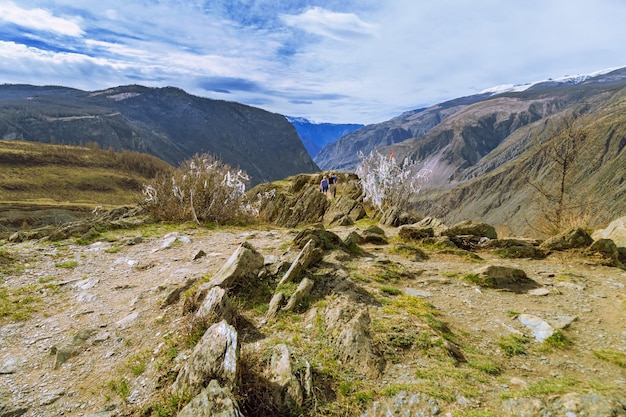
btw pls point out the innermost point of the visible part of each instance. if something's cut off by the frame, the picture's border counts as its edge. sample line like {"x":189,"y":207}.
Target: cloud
{"x":39,"y":19}
{"x":325,"y":23}
{"x":229,"y":84}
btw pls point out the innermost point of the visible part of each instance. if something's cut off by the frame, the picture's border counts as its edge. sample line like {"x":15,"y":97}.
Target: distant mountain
{"x":483,"y":150}
{"x":165,"y":122}
{"x":315,"y":136}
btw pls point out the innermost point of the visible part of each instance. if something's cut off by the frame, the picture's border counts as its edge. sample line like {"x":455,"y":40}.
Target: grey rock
{"x":216,"y":357}
{"x":616,"y":231}
{"x":344,"y":210}
{"x":71,"y":347}
{"x":303,"y":291}
{"x":216,"y":307}
{"x":571,"y":404}
{"x":471,"y":228}
{"x":413,"y":232}
{"x":286,"y":391}
{"x":569,"y":239}
{"x":309,"y":255}
{"x":276,"y":303}
{"x":244,"y":263}
{"x":404,"y":404}
{"x":349,"y":325}
{"x":173,"y":294}
{"x":213,"y":401}
{"x":540,"y":329}
{"x":396,"y":217}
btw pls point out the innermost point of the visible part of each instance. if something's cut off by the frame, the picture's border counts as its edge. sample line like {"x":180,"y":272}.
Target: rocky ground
{"x":96,"y":329}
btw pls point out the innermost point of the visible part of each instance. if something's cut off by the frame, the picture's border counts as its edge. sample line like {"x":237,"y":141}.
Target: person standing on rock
{"x":332,"y":183}
{"x":324,"y":185}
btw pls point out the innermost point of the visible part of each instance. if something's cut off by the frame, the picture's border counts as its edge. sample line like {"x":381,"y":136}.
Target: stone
{"x":570,"y":239}
{"x":415,"y":233}
{"x":216,"y":307}
{"x":244,"y":263}
{"x":375,"y":235}
{"x":404,"y":404}
{"x":348,"y":323}
{"x":396,"y":217}
{"x":606,"y":250}
{"x":616,"y":231}
{"x":71,"y":347}
{"x":323,"y":239}
{"x":216,"y":356}
{"x":540,"y":329}
{"x":568,"y":405}
{"x":286,"y":390}
{"x":504,"y":277}
{"x":344,"y":210}
{"x":174,"y":294}
{"x":468,"y":227}
{"x":276,"y":303}
{"x":213,"y":401}
{"x":309,"y":255}
{"x":303,"y":291}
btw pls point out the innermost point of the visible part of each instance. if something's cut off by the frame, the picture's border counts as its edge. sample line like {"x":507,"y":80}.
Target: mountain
{"x":483,"y":150}
{"x":165,"y":122}
{"x":315,"y":136}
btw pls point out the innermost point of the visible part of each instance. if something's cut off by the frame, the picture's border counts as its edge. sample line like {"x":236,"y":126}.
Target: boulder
{"x":216,"y":307}
{"x":571,"y":404}
{"x":309,"y":255}
{"x":348,"y":325}
{"x":286,"y":391}
{"x":514,"y":248}
{"x":436,"y":224}
{"x":396,"y":217}
{"x":344,"y":207}
{"x":468,"y":227}
{"x":213,"y":401}
{"x":616,"y":231}
{"x":606,"y":250}
{"x":71,"y":347}
{"x":404,"y":404}
{"x":276,"y":304}
{"x":504,"y":277}
{"x":216,"y":356}
{"x":243,"y":265}
{"x":300,"y":294}
{"x":375,"y":235}
{"x":540,"y":329}
{"x":572,"y":238}
{"x":323,"y":239}
{"x":415,"y":233}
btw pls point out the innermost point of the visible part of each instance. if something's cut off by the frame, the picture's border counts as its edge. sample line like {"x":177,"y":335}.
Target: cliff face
{"x":165,"y":122}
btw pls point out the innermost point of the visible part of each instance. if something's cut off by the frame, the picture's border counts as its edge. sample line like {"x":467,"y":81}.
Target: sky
{"x":337,"y":61}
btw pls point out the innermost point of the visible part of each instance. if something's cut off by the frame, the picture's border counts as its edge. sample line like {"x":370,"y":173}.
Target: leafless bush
{"x":203,"y":189}
{"x":388,"y":184}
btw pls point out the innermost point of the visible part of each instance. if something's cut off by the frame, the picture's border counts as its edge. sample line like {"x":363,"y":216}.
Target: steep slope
{"x":502,"y":192}
{"x":165,"y":122}
{"x":315,"y":136}
{"x":343,"y":154}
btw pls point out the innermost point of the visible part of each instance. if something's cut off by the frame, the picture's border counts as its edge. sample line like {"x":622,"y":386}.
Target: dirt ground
{"x":113,"y":291}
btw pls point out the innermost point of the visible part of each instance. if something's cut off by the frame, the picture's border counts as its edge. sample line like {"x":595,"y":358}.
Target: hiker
{"x":332,"y":182}
{"x":324,"y":185}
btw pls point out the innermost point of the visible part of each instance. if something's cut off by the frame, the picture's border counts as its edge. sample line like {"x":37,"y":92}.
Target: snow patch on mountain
{"x":567,"y":79}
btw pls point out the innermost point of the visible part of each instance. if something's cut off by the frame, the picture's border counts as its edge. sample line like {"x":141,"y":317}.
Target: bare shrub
{"x":388,"y":184}
{"x":203,"y":189}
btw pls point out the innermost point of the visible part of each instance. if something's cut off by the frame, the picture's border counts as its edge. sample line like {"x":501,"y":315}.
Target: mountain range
{"x":315,"y":136}
{"x":165,"y":122}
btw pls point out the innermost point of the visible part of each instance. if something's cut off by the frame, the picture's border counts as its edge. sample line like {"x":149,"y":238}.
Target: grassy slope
{"x":37,"y":178}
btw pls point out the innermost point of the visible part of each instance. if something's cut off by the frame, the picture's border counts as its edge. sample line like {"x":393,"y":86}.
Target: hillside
{"x":52,"y":184}
{"x":485,"y":151}
{"x":163,"y":320}
{"x":165,"y":122}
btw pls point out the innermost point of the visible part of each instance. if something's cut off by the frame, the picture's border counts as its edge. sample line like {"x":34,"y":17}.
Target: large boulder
{"x":344,"y":207}
{"x":468,"y":227}
{"x":572,"y":404}
{"x":414,"y":232}
{"x":616,"y":231}
{"x":396,"y":217}
{"x":213,"y":401}
{"x":216,"y":356}
{"x":309,"y":255}
{"x":216,"y":307}
{"x":348,"y":325}
{"x":322,"y":238}
{"x":404,"y":404}
{"x":286,"y":391}
{"x":572,"y":238}
{"x":242,"y":266}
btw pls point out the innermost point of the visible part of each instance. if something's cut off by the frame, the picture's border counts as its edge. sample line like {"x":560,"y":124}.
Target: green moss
{"x":613,"y":356}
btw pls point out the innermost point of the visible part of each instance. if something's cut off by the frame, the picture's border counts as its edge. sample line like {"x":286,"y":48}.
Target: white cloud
{"x":39,"y":19}
{"x":338,"y":26}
